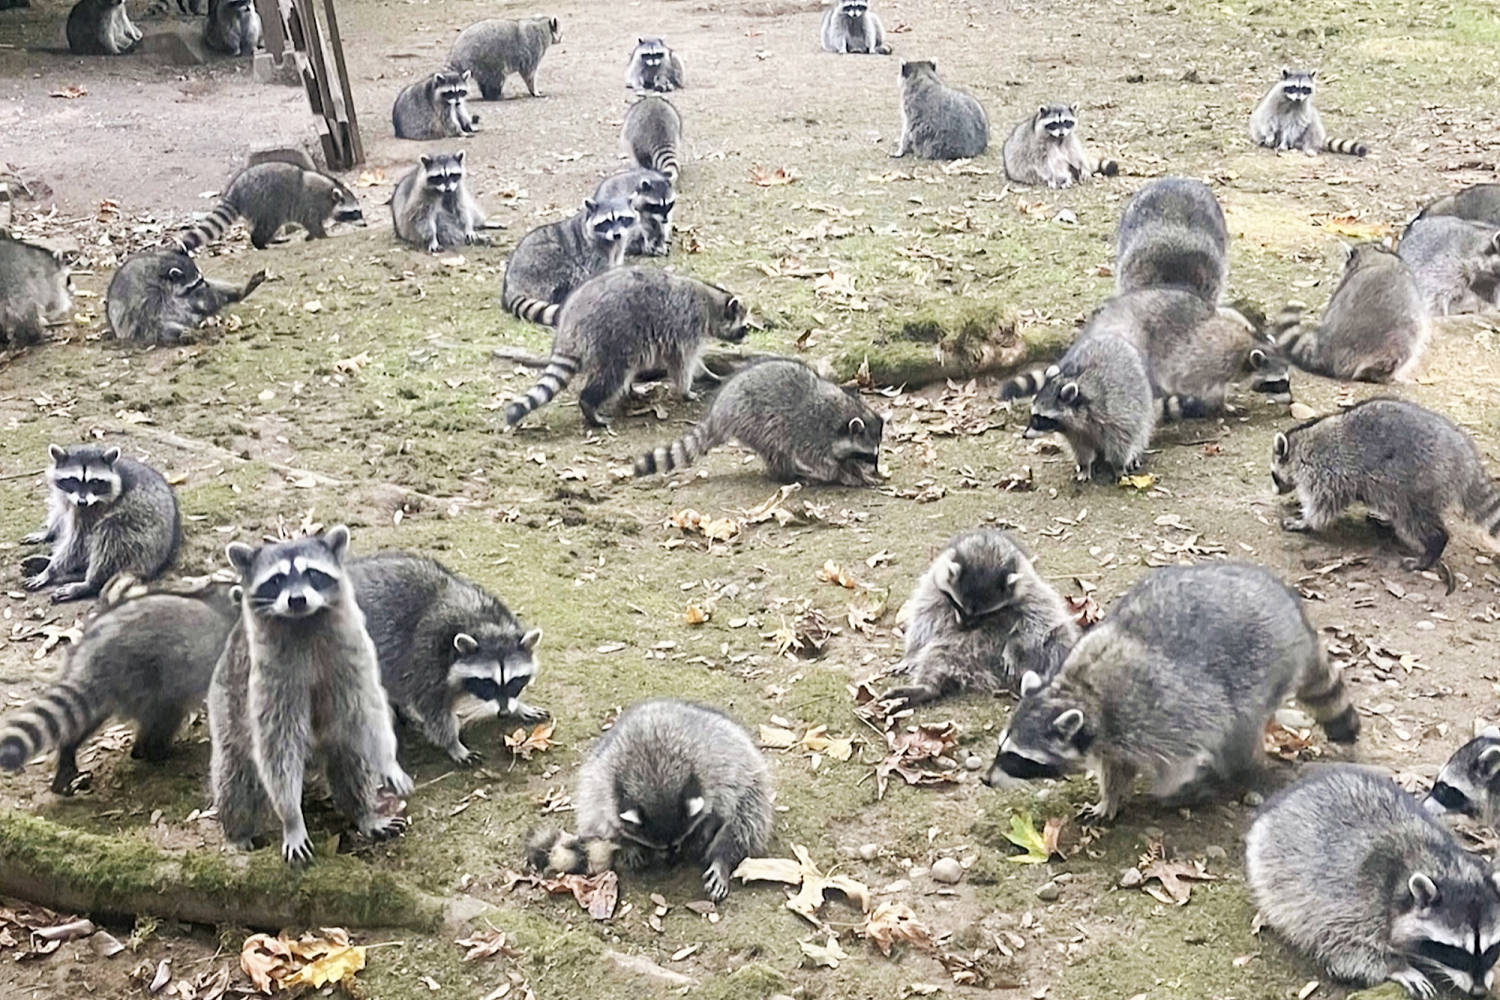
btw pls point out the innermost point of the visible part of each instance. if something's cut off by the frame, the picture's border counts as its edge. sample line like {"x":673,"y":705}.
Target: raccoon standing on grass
{"x":494,"y":49}
{"x":1469,"y":783}
{"x":272,"y":195}
{"x":556,"y":258}
{"x":1172,"y":234}
{"x":937,"y":121}
{"x":34,"y":292}
{"x":1285,"y":119}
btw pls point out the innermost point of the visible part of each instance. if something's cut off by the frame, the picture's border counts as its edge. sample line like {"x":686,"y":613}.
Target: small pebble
{"x":1049,"y":892}
{"x":1063,"y":878}
{"x":974,"y":762}
{"x":1195,"y":937}
{"x":947,"y":870}
{"x":1215,"y":853}
{"x":1253,"y":799}
{"x":869,"y":852}
{"x":1130,"y":878}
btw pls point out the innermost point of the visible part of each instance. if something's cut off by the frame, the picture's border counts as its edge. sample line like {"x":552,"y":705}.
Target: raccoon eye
{"x":69,"y":484}
{"x":320,"y":579}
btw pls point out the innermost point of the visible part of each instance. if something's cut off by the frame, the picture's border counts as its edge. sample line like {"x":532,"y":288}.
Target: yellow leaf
{"x":694,"y":615}
{"x":524,"y":744}
{"x":777,"y":738}
{"x":1352,"y":226}
{"x":832,"y":572}
{"x":334,"y":967}
{"x":1140,"y":482}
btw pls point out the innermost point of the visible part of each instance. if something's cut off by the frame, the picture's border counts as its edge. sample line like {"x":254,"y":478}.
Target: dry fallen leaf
{"x":598,"y":894}
{"x":274,"y":963}
{"x":824,"y":955}
{"x":715,"y":529}
{"x":1143,"y":481}
{"x":1352,"y":226}
{"x":920,"y":754}
{"x":696,"y":614}
{"x":486,"y":944}
{"x":524,"y":744}
{"x":771,"y":178}
{"x":1173,"y":876}
{"x":814,"y":885}
{"x":69,"y":93}
{"x":893,"y":921}
{"x":832,"y":572}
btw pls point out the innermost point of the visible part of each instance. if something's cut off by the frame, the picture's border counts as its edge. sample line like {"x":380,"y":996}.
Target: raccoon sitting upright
{"x":1477,"y":203}
{"x":1348,"y":869}
{"x":101,"y":28}
{"x":803,"y":427}
{"x":494,"y":49}
{"x":433,"y":207}
{"x":147,"y":658}
{"x":653,"y":66}
{"x":937,"y":121}
{"x":851,"y":27}
{"x":435,"y":107}
{"x":651,"y":197}
{"x":1176,"y":684}
{"x":1172,"y":234}
{"x":1286,"y":119}
{"x":270,"y":196}
{"x":440,"y":638}
{"x":1469,"y":783}
{"x":106,"y":514}
{"x":1456,"y":263}
{"x":160,"y":296}
{"x":652,"y":135}
{"x":34,"y":292}
{"x":1413,"y":469}
{"x":1044,"y":150}
{"x":299,"y":673}
{"x":629,"y":320}
{"x":554,"y":259}
{"x":980,"y":617}
{"x":233,"y":27}
{"x":669,"y":781}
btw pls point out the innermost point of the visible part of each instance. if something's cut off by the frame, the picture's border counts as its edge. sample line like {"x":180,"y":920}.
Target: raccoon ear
{"x":1068,"y":393}
{"x":733,"y":308}
{"x":111,"y":456}
{"x":1285,"y":72}
{"x":240,"y":556}
{"x":1424,"y":892}
{"x":589,"y":204}
{"x":1031,"y":682}
{"x":425,"y":160}
{"x":639,"y":40}
{"x":458,"y":157}
{"x":57,"y":452}
{"x":1257,"y":358}
{"x":906,"y":69}
{"x":1010,"y":581}
{"x":856,"y":426}
{"x":1068,"y":723}
{"x":1489,"y":762}
{"x":530,"y":639}
{"x":631,"y":816}
{"x":1312,"y":74}
{"x":1041,"y":110}
{"x":1280,"y":446}
{"x":464,"y":643}
{"x":1495,"y":243}
{"x":695,"y":806}
{"x":552,"y":23}
{"x":468,"y":75}
{"x":337,"y":540}
{"x":175,"y":274}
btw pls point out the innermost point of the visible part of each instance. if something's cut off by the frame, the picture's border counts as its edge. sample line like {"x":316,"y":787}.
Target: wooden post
{"x":292,"y":31}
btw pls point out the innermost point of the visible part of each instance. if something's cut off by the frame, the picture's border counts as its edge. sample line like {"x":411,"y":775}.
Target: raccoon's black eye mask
{"x":1044,"y":424}
{"x":1025,"y":768}
{"x":1451,"y":798}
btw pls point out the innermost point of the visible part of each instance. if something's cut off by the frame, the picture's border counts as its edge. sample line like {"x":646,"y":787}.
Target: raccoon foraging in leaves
{"x":554,"y":259}
{"x":1045,"y":150}
{"x":160,"y":296}
{"x":435,"y":107}
{"x":1286,"y":119}
{"x":937,"y":121}
{"x":494,"y":49}
{"x":271,"y":195}
{"x":653,"y":66}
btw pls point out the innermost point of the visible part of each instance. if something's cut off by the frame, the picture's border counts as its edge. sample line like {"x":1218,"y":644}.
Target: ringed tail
{"x":532,"y":310}
{"x":58,"y":716}
{"x":1482,"y":506}
{"x":1328,"y":700}
{"x":1108,"y":168}
{"x":664,"y":161}
{"x":558,"y":852}
{"x":553,"y":380}
{"x":680,"y":453}
{"x":1027,"y":383}
{"x":1349,"y":147}
{"x":1180,"y":406}
{"x":211,"y":229}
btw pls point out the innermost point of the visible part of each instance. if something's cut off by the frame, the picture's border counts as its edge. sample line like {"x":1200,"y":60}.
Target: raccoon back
{"x":944,"y":123}
{"x":1172,"y":233}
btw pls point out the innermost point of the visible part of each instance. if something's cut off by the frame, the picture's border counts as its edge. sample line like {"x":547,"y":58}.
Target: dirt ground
{"x":358,"y":386}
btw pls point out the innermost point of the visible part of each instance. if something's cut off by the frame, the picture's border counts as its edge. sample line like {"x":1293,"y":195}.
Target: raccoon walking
{"x":653,"y":66}
{"x":1172,"y":234}
{"x":299,"y":672}
{"x":34,"y":292}
{"x":1456,"y":263}
{"x":1286,"y":119}
{"x":271,"y":195}
{"x":435,"y":108}
{"x":802,"y":426}
{"x":1177,"y":684}
{"x":554,"y":259}
{"x":233,"y":27}
{"x":627,"y":320}
{"x":670,"y":780}
{"x":160,"y":296}
{"x":101,"y":28}
{"x":1347,"y":868}
{"x":147,"y":658}
{"x":652,"y":135}
{"x":106,"y":514}
{"x":494,"y":49}
{"x":1469,"y":782}
{"x":433,"y":207}
{"x":979,"y":618}
{"x":938,"y":122}
{"x":1414,"y":470}
{"x":651,"y":197}
{"x":1044,"y":150}
{"x":851,"y":27}
{"x":440,"y":638}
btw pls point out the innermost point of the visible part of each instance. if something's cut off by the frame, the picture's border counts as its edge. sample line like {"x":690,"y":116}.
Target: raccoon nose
{"x":297,"y":602}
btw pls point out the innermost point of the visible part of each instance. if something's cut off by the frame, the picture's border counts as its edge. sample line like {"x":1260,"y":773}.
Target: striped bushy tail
{"x":1297,"y":340}
{"x":1180,"y":406}
{"x":1028,"y":383}
{"x":1324,"y":695}
{"x":209,"y":230}
{"x":1105,"y":167}
{"x":558,"y":852}
{"x":553,"y":380}
{"x":664,"y":161}
{"x":59,"y":716}
{"x":1482,"y":504}
{"x":1349,"y":147}
{"x":683,"y":452}
{"x":531,"y":310}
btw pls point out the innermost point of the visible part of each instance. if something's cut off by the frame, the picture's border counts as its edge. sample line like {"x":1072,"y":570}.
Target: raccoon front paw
{"x":71,"y":592}
{"x":434,"y":247}
{"x":385,"y":827}
{"x":296,"y":849}
{"x":1415,"y":982}
{"x":716,"y":881}
{"x":1097,"y":814}
{"x":37,"y":582}
{"x":530,"y":713}
{"x":908,"y":697}
{"x":1083,"y":473}
{"x":632,"y":857}
{"x":36,"y":538}
{"x":464,"y":757}
{"x":399,"y":782}
{"x":1295,"y":524}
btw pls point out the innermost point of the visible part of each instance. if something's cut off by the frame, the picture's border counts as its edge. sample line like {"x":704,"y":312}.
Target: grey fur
{"x":160,"y":296}
{"x":652,"y":135}
{"x":494,"y":49}
{"x":938,"y":122}
{"x":34,"y":292}
{"x":1469,"y":782}
{"x":1347,"y":868}
{"x":283,"y":154}
{"x":1478,"y":203}
{"x":1286,"y":119}
{"x":851,"y":27}
{"x":106,"y":514}
{"x":232,"y":27}
{"x":554,"y":259}
{"x":628,"y":320}
{"x":979,"y":618}
{"x":435,"y":107}
{"x":1177,"y":683}
{"x":147,"y":658}
{"x":101,"y":28}
{"x":1172,"y":234}
{"x":654,"y":66}
{"x":433,"y":208}
{"x":271,"y":195}
{"x":1045,"y":150}
{"x":441,"y":639}
{"x":299,"y":672}
{"x":1456,"y":263}
{"x":651,"y":197}
{"x":803,"y":427}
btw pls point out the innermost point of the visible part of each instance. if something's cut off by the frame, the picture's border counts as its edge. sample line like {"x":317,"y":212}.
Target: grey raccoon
{"x":494,"y":49}
{"x":147,"y":658}
{"x":34,"y":292}
{"x":1375,"y":327}
{"x":850,"y":27}
{"x":554,"y":259}
{"x":653,"y":66}
{"x":1456,"y":263}
{"x":938,"y":122}
{"x":432,"y":206}
{"x":1286,"y":119}
{"x":101,"y":28}
{"x":652,"y":135}
{"x":440,"y":638}
{"x":1479,"y":203}
{"x":1177,"y":683}
{"x":160,"y":296}
{"x":670,"y":780}
{"x":1413,"y":469}
{"x":1347,"y":868}
{"x":435,"y":108}
{"x":651,"y":197}
{"x":106,"y":514}
{"x":1469,"y":782}
{"x":271,"y":195}
{"x":628,"y":320}
{"x":803,"y":427}
{"x":1172,"y":234}
{"x":299,"y":671}
{"x":233,"y":27}
{"x":979,"y":618}
{"x":1044,"y":150}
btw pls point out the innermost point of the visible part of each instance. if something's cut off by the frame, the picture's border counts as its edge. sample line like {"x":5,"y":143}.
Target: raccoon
{"x":300,"y":672}
{"x":802,"y":426}
{"x":283,"y":154}
{"x":626,"y":320}
{"x":106,"y":514}
{"x":554,"y":259}
{"x":651,"y":197}
{"x":1413,"y":469}
{"x":233,"y":27}
{"x":271,"y":195}
{"x":1044,"y":150}
{"x":670,"y":780}
{"x":440,"y":638}
{"x":101,"y":28}
{"x":147,"y":658}
{"x":979,"y":618}
{"x":653,"y":66}
{"x":1375,"y":326}
{"x":1348,"y":869}
{"x":1172,"y":234}
{"x":435,"y":108}
{"x":937,"y":121}
{"x":1286,"y":119}
{"x":160,"y":296}
{"x":433,"y":207}
{"x":1468,"y":783}
{"x":1456,"y":263}
{"x":1480,"y":203}
{"x":34,"y":292}
{"x":1177,"y":683}
{"x":851,"y":27}
{"x":494,"y":49}
{"x":652,"y":135}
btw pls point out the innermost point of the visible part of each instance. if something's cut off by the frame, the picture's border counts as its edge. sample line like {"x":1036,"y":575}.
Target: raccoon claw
{"x":1415,"y":983}
{"x":297,"y":851}
{"x":1417,"y":565}
{"x":35,"y":538}
{"x":1294,"y":524}
{"x":70,"y":592}
{"x":464,"y":757}
{"x":714,"y":883}
{"x":36,"y":582}
{"x":399,"y":782}
{"x":1096,"y":814}
{"x":386,"y":828}
{"x":531,"y":714}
